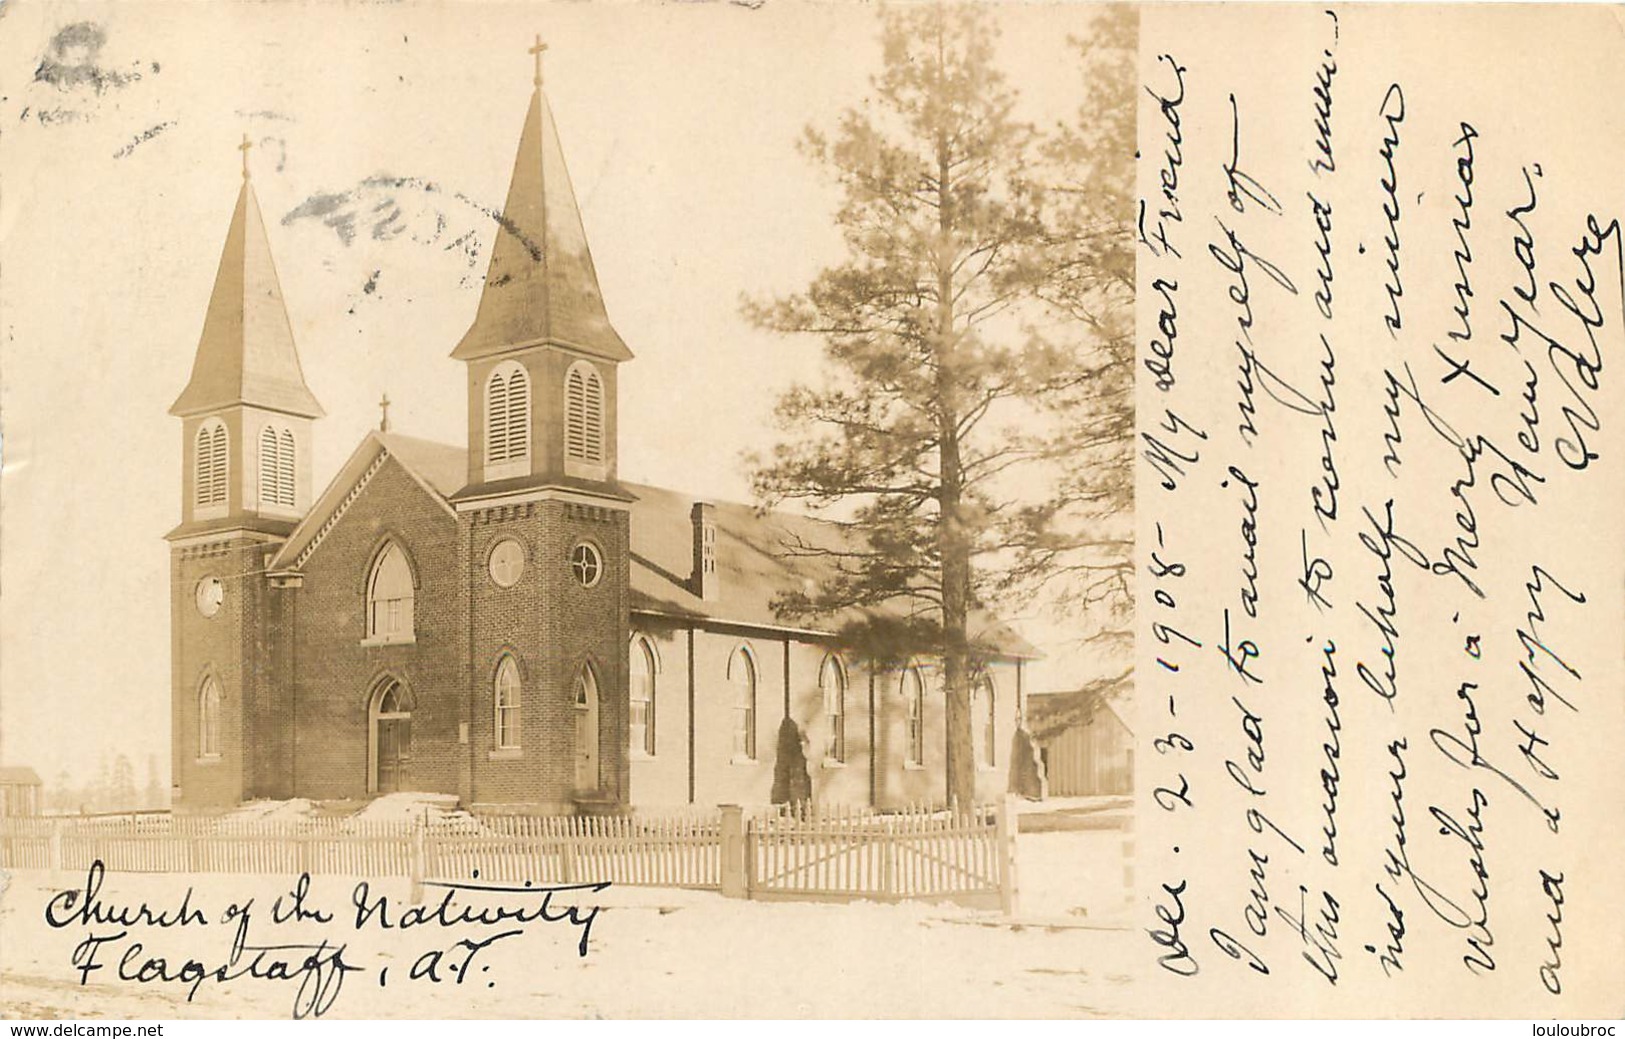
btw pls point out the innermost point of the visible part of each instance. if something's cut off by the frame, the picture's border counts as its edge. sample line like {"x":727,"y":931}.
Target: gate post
{"x":733,"y":852}
{"x":1006,"y":841}
{"x":419,"y":830}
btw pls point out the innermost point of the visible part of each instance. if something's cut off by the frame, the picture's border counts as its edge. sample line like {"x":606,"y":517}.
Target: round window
{"x":507,"y":562}
{"x":586,"y":564}
{"x":210,"y":594}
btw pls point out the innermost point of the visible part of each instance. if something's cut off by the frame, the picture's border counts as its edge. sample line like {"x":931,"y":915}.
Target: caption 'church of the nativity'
{"x":505,"y":621}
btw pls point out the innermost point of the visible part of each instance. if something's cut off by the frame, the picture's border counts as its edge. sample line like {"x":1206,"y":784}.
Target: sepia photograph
{"x":789,"y":510}
{"x":554,"y":511}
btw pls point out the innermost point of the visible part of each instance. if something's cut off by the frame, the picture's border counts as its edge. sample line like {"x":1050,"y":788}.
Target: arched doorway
{"x":586,"y":705}
{"x":391,"y":738}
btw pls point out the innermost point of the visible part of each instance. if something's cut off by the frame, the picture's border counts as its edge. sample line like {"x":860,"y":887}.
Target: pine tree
{"x":1084,"y":544}
{"x":933,"y":331}
{"x":121,"y":795}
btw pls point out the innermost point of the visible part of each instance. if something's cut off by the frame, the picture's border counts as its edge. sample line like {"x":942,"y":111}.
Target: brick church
{"x":506,"y":621}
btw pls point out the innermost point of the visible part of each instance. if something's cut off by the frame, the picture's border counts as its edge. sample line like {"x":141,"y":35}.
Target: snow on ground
{"x":273,"y":811}
{"x":407,"y":807}
{"x":652,"y":952}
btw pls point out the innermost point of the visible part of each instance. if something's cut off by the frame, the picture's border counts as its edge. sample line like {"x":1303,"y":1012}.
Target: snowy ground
{"x":651,"y":952}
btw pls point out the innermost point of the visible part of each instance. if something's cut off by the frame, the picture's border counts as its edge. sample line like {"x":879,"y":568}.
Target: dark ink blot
{"x":69,"y":61}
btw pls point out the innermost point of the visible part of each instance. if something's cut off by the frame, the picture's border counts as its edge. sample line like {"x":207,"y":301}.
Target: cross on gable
{"x":244,"y":147}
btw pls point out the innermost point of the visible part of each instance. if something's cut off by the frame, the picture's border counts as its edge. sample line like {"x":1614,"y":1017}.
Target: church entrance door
{"x":391,"y":738}
{"x":586,"y":704}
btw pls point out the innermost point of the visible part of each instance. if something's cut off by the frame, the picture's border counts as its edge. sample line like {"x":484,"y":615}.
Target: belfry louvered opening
{"x":276,"y":467}
{"x":507,"y":414}
{"x":209,"y":473}
{"x":584,"y":413}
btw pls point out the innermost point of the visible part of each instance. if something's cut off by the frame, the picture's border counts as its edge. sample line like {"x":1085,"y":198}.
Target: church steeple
{"x":246,"y":411}
{"x":246,"y":354}
{"x":541,"y":286}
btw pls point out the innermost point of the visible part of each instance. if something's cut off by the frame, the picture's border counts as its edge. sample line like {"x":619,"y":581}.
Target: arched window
{"x":276,"y":467}
{"x":983,"y":715}
{"x":914,"y":695}
{"x":643,"y":696}
{"x":208,"y":719}
{"x":832,"y":683}
{"x":507,"y":705}
{"x":586,"y":705}
{"x":507,"y":414}
{"x":389,"y":597}
{"x":742,"y":678}
{"x":209,"y":463}
{"x":583,"y":414}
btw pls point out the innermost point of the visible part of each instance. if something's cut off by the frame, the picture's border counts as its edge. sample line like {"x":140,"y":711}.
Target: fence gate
{"x":841,"y":854}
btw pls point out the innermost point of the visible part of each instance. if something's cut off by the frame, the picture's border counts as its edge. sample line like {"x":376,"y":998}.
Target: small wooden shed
{"x":20,"y":791}
{"x":1086,"y":746}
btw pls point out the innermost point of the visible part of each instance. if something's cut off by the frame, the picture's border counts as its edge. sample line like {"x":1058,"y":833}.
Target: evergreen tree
{"x":936,"y":332}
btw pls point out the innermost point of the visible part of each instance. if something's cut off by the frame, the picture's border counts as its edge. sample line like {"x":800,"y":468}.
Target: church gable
{"x":423,"y":475}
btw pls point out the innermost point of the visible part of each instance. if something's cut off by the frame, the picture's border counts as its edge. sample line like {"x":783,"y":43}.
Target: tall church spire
{"x":246,"y":354}
{"x":541,"y":286}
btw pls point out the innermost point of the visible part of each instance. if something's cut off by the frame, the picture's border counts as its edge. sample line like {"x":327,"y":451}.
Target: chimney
{"x":704,"y":582}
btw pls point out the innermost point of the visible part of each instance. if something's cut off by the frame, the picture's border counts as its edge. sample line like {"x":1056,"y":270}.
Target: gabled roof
{"x":752,"y":567}
{"x":438,"y":468}
{"x":246,"y":353}
{"x":541,"y":286}
{"x":18,"y":775}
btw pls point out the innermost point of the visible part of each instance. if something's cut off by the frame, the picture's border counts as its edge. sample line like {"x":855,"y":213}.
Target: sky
{"x":384,"y":137}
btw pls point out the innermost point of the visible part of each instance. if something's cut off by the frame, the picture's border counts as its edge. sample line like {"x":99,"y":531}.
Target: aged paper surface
{"x":464,"y":684}
{"x":1380,"y":284}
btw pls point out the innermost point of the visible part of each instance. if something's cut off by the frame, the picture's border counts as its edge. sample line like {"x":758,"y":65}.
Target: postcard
{"x":806,"y":510}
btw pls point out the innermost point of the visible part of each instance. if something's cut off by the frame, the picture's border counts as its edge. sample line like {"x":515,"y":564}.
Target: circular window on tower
{"x":210,"y":593}
{"x":586,"y":564}
{"x":507,"y":562}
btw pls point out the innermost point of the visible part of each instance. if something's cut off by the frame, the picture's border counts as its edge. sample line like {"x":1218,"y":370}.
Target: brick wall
{"x":333,"y":676}
{"x":227,"y":647}
{"x":551,"y":626}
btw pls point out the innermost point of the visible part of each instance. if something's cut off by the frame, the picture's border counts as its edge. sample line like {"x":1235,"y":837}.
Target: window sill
{"x":739,"y":759}
{"x":987,"y":768}
{"x":390,"y":641}
{"x":913,"y":766}
{"x":213,"y":759}
{"x":639,"y":755}
{"x":832,"y":763}
{"x":583,"y":470}
{"x":505,"y":754}
{"x":506,"y":470}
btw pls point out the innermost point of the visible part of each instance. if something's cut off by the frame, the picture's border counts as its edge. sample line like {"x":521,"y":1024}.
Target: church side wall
{"x":662,"y":780}
{"x":336,"y":674}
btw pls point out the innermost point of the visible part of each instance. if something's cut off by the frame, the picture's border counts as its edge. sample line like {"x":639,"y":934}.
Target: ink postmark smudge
{"x":143,"y":137}
{"x":70,"y":61}
{"x":384,"y":207}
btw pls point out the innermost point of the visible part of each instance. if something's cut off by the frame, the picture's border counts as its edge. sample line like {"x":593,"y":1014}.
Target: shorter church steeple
{"x":246,"y":411}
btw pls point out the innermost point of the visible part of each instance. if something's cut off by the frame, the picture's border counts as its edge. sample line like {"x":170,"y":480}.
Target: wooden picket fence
{"x":805,"y":852}
{"x":680,"y":850}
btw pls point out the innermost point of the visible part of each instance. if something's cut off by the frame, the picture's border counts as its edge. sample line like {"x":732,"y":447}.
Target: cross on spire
{"x":537,"y":51}
{"x":383,"y":405}
{"x":247,"y":144}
